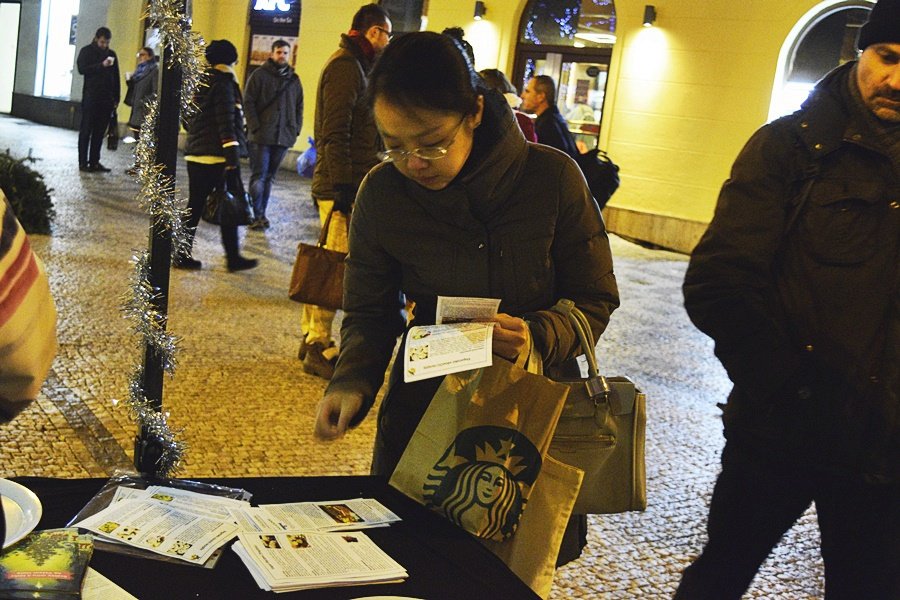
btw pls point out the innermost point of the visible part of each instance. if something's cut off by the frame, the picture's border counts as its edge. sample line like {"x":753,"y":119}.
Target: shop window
{"x":406,"y":15}
{"x":577,"y":23}
{"x":571,"y":41}
{"x":822,"y":40}
{"x":56,"y":48}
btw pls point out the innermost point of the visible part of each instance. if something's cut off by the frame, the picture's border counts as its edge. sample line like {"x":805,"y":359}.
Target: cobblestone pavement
{"x":247,"y":408}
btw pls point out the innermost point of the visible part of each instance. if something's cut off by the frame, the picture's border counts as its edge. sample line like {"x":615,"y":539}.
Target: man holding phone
{"x":99,"y":97}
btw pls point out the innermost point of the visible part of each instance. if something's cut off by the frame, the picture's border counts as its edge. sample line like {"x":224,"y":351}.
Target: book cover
{"x":48,"y":564}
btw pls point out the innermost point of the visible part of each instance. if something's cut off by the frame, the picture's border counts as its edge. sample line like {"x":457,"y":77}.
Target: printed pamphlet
{"x":460,"y":340}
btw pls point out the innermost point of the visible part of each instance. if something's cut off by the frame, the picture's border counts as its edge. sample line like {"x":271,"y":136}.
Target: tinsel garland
{"x":159,"y":198}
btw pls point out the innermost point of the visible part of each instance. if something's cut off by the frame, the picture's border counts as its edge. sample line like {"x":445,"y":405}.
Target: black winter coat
{"x":219,"y":119}
{"x":517,"y":223}
{"x":101,"y":84}
{"x":552,"y":130}
{"x":273,"y":106}
{"x":806,"y":324}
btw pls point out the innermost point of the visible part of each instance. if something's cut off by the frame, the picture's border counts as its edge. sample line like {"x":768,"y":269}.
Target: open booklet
{"x":459,"y":341}
{"x":295,"y":560}
{"x":330,"y":515}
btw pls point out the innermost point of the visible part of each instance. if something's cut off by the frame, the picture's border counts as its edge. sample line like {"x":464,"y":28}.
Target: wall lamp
{"x":480,"y":9}
{"x":649,"y":15}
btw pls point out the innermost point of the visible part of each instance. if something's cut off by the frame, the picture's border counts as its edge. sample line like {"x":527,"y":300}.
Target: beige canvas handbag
{"x":601,"y":431}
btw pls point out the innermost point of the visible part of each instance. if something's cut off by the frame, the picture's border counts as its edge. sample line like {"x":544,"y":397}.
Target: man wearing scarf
{"x":347,"y":143}
{"x":273,"y":107}
{"x":797,"y":282}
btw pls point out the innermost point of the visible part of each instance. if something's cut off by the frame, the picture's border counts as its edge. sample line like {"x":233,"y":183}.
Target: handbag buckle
{"x":598,"y":389}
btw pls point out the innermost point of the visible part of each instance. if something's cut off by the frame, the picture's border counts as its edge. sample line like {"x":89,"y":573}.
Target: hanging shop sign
{"x":275,"y":14}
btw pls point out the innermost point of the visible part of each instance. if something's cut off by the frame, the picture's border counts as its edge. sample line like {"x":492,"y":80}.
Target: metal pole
{"x":147,"y":448}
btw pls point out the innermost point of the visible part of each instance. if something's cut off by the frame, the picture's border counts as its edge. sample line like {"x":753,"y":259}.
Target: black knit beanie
{"x":883,"y":26}
{"x":221,"y":52}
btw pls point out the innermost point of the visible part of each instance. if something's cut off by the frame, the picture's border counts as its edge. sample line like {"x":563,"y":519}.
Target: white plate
{"x":21,"y":508}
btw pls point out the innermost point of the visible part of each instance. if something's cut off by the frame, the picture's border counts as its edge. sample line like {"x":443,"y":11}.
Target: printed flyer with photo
{"x":460,"y":341}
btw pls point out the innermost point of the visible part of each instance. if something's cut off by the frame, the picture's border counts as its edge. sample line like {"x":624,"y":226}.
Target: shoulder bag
{"x":318,"y":274}
{"x":601,"y":174}
{"x":226,"y":206}
{"x":601,"y":431}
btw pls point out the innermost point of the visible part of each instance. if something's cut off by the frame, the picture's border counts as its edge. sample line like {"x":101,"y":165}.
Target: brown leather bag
{"x":318,"y":274}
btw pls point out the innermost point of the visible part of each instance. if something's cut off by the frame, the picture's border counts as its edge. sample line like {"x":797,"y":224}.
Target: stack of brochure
{"x":291,"y":561}
{"x":168,"y":521}
{"x":304,"y":545}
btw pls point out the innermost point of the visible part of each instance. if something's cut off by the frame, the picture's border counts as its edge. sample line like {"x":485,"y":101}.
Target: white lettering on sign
{"x":280,"y":5}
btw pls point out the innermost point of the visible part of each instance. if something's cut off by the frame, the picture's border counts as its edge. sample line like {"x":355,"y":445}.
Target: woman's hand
{"x":510,"y":336}
{"x":336,"y":410}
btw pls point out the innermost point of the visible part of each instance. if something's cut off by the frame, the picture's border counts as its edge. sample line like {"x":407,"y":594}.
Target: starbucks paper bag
{"x":478,"y":451}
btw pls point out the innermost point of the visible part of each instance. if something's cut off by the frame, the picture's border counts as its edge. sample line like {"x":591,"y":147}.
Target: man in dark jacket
{"x":539,"y":98}
{"x":273,"y":107}
{"x":99,"y":97}
{"x":347,"y":144}
{"x":796,"y":281}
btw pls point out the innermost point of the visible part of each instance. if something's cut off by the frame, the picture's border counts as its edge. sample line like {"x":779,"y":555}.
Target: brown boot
{"x":315,"y":362}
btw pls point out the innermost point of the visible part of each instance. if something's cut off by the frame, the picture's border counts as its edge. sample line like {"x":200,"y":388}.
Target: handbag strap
{"x":597,"y":386}
{"x":323,"y":235}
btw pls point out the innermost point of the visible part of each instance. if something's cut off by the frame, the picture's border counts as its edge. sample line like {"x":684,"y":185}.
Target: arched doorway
{"x":824,"y":38}
{"x":571,"y":41}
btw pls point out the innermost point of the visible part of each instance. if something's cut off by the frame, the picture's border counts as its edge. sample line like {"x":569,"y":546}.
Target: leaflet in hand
{"x":460,"y":341}
{"x":295,"y":560}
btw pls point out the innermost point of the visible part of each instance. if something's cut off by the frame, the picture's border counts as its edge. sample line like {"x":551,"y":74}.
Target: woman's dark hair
{"x":458,"y":34}
{"x":150,"y":53}
{"x":496,"y":80}
{"x":426,"y":70}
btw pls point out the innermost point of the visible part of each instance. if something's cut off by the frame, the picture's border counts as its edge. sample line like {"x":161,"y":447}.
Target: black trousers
{"x":95,"y":117}
{"x":758,"y":498}
{"x":202,"y":180}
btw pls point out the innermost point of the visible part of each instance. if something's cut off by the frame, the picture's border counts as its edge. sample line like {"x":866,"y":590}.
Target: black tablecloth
{"x":443,"y":562}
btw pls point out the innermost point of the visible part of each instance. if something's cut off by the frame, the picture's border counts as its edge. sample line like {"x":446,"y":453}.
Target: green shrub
{"x":27,"y":194}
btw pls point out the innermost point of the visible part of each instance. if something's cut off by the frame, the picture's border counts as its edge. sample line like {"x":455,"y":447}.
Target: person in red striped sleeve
{"x":27,"y":318}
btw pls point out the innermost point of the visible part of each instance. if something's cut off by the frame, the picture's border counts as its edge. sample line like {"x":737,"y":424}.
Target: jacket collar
{"x":354,"y":45}
{"x":488,"y":178}
{"x":830,"y":116}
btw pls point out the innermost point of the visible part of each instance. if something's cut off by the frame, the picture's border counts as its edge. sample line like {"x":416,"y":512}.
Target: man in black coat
{"x":539,"y":98}
{"x":273,"y":107}
{"x":797,"y":282}
{"x":99,"y":97}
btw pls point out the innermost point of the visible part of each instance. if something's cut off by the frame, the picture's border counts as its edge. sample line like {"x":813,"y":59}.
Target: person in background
{"x":496,"y":80}
{"x":214,"y":145}
{"x":797,"y":282}
{"x":273,"y":106}
{"x":539,"y":98}
{"x":143,"y":85}
{"x":462,"y":206}
{"x":27,"y":319}
{"x":99,"y":97}
{"x":347,"y":146}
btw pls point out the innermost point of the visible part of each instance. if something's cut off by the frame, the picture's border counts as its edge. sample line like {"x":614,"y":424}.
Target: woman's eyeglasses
{"x":384,"y":31}
{"x":423,"y":152}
